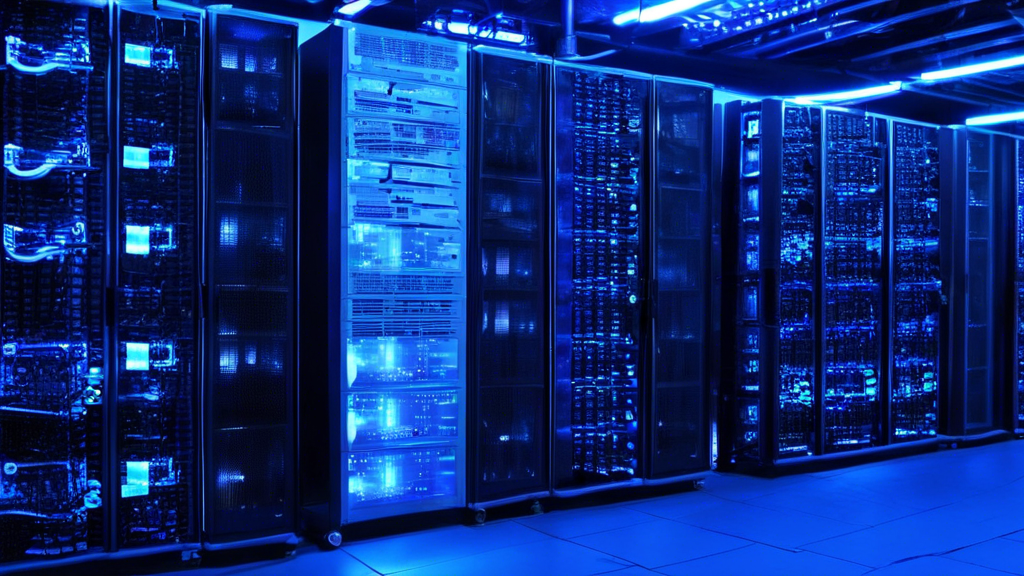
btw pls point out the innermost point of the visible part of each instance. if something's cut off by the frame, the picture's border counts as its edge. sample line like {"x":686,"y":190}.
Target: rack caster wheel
{"x":536,"y":508}
{"x":480,"y":516}
{"x":698,"y":484}
{"x":332,"y":540}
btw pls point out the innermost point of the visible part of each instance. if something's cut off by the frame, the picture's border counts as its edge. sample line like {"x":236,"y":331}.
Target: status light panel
{"x":404,"y":307}
{"x":916,"y":285}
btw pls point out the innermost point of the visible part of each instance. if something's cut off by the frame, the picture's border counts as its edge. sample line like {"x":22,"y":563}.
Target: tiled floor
{"x":943,"y":514}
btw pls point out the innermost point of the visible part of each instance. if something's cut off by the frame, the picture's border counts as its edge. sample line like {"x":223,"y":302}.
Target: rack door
{"x":680,"y":290}
{"x":510,"y":265}
{"x":250,"y":274}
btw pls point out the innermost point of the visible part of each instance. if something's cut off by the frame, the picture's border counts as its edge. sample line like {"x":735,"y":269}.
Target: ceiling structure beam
{"x":946,"y":37}
{"x":772,"y":49}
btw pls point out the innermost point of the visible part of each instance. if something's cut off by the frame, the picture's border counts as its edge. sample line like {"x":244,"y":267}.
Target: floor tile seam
{"x":630,"y":563}
{"x":969,"y":563}
{"x":427,"y":565}
{"x":748,"y":503}
{"x":744,"y":547}
{"x":816,"y":553}
{"x":802,"y":546}
{"x":719,"y":532}
{"x":653,"y":519}
{"x":788,"y":509}
{"x":374,"y":570}
{"x":942,"y":555}
{"x":858,"y":562}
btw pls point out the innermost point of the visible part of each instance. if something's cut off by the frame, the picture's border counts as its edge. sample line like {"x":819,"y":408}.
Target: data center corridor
{"x":951,"y":512}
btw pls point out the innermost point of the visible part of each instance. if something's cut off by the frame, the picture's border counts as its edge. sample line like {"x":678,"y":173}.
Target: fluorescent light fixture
{"x":995,"y":118}
{"x":974,"y":69}
{"x":353,"y":8}
{"x":849,"y":94}
{"x":658,"y":12}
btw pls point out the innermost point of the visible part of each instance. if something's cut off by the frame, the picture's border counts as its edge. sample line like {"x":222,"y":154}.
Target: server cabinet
{"x":982,"y":190}
{"x":772,"y":259}
{"x":855,"y":288}
{"x":384,"y":274}
{"x":53,"y":485}
{"x":249,"y":277}
{"x":832,"y":330}
{"x":600,"y":250}
{"x":509,"y":238}
{"x":680,"y":287}
{"x":155,"y":274}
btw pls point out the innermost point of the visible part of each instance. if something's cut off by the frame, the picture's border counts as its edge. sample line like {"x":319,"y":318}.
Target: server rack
{"x":100,"y":213}
{"x":154,"y":352}
{"x":809,"y":296}
{"x":977,"y":401}
{"x":383,"y":213}
{"x":630,"y":399}
{"x":249,"y":277}
{"x":509,"y":237}
{"x":601,"y":127}
{"x":771,"y":402}
{"x":53,"y":421}
{"x":1019,"y":296}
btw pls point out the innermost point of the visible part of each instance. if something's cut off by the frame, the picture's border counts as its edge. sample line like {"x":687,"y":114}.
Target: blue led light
{"x":137,"y":55}
{"x":136,"y":356}
{"x":136,"y":158}
{"x":136,"y":479}
{"x":136,"y":240}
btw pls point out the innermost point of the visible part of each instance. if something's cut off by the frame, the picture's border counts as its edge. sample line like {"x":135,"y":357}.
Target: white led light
{"x":655,"y":13}
{"x":353,"y":8}
{"x":974,"y":69}
{"x":849,"y":94}
{"x":995,"y":118}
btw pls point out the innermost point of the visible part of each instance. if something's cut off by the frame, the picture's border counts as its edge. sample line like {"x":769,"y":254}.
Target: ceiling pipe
{"x":566,"y":46}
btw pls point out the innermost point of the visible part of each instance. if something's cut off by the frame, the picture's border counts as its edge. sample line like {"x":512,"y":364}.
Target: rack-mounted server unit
{"x":978,"y":401}
{"x":249,"y":271}
{"x":53,"y":484}
{"x":833,"y":294}
{"x":630,"y":392}
{"x":383,"y":259}
{"x":509,"y":382}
